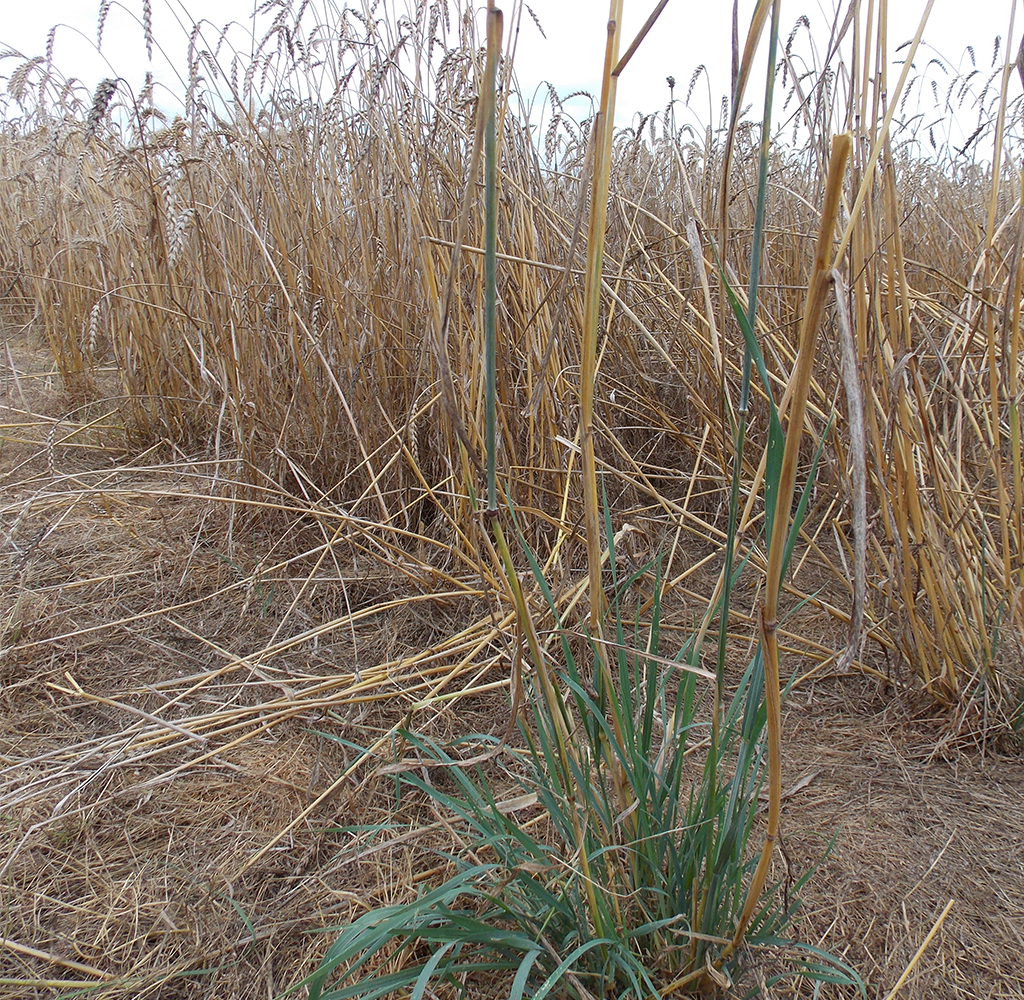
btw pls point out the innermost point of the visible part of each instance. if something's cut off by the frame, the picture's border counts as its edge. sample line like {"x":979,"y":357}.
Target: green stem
{"x":741,"y":432}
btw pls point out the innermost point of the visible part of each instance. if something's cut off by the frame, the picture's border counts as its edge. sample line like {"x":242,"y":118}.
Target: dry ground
{"x":178,"y":781}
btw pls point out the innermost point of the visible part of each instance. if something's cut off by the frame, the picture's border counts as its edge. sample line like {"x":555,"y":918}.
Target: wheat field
{"x":248,"y":389}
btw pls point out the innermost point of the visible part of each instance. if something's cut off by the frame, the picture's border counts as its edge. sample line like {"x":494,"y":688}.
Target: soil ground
{"x":174,"y":773}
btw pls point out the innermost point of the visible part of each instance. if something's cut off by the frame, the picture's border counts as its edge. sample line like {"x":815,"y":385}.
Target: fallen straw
{"x":920,"y":951}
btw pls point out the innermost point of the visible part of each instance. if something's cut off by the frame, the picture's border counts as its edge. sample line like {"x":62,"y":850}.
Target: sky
{"x":688,"y":34}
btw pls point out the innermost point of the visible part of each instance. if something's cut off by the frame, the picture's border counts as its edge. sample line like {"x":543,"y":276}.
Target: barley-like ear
{"x":180,"y":229}
{"x":178,"y":217}
{"x":94,"y":326}
{"x":100,"y":102}
{"x":120,"y":219}
{"x":51,"y":37}
{"x":536,"y":20}
{"x":18,"y":82}
{"x":147,"y":26}
{"x":101,"y":22}
{"x":694,"y":77}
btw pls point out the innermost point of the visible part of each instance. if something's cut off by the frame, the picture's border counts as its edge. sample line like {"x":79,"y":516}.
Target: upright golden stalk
{"x":604,"y":125}
{"x":603,"y":131}
{"x":1014,"y":317}
{"x":801,"y":383}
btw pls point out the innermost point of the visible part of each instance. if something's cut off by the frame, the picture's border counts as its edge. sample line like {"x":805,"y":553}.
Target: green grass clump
{"x":600,"y":872}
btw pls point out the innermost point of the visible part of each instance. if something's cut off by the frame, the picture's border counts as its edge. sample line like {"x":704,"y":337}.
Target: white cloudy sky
{"x":689,"y":33}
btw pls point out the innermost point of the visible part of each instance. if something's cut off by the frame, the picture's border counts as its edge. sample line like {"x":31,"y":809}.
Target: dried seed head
{"x":101,"y":22}
{"x":177,"y":236}
{"x":94,"y":325}
{"x":120,"y":219}
{"x":18,"y":81}
{"x":147,"y":26}
{"x":100,"y":102}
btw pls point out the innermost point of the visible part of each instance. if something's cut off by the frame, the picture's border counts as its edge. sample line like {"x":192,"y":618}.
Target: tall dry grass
{"x":271,"y":276}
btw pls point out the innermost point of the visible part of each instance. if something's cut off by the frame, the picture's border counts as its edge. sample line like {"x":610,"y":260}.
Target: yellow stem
{"x":801,"y":380}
